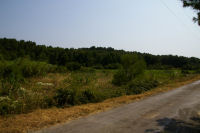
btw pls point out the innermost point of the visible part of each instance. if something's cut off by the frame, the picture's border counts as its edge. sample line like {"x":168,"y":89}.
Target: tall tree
{"x":194,"y":4}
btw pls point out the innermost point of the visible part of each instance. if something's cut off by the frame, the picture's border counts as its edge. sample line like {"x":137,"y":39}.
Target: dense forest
{"x":97,"y":57}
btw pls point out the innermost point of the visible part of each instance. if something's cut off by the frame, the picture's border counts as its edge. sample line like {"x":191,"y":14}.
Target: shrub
{"x":73,"y":66}
{"x":98,"y":66}
{"x":60,"y":69}
{"x":133,"y":66}
{"x":140,"y":86}
{"x":22,"y":68}
{"x":9,"y":106}
{"x":88,"y":70}
{"x":48,"y":102}
{"x":113,"y":66}
{"x":10,"y":71}
{"x":10,"y":77}
{"x":33,"y":68}
{"x":66,"y":97}
{"x":91,"y":96}
{"x":184,"y":72}
{"x":197,"y":71}
{"x":120,"y":77}
{"x":1,"y":58}
{"x":5,"y":105}
{"x":118,"y":92}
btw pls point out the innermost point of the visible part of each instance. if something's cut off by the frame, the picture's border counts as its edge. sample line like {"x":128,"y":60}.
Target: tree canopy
{"x":97,"y":57}
{"x":194,"y":4}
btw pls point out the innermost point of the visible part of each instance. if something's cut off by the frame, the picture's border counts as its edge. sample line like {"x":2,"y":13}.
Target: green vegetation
{"x":195,"y":5}
{"x":132,"y":66}
{"x":96,"y":57}
{"x":75,"y":88}
{"x":35,"y":76}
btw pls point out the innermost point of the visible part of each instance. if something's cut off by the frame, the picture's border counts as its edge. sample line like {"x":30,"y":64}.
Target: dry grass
{"x":48,"y":117}
{"x":55,"y":78}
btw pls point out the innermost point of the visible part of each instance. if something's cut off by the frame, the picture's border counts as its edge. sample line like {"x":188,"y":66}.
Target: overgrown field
{"x":71,"y":88}
{"x":41,"y":118}
{"x":44,"y":85}
{"x":39,"y":77}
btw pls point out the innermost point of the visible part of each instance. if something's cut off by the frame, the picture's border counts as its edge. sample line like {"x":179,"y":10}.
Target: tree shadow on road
{"x":177,"y":126}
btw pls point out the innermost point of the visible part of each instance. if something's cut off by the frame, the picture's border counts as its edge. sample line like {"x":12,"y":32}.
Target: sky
{"x":148,"y":26}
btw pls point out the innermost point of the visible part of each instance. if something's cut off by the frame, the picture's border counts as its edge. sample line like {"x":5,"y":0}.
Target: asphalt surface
{"x":176,"y":111}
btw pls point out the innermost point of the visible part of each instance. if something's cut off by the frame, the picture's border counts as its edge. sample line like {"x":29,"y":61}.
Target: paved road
{"x":171,"y":112}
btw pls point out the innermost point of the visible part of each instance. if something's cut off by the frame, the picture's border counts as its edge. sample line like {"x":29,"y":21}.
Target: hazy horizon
{"x":143,"y":26}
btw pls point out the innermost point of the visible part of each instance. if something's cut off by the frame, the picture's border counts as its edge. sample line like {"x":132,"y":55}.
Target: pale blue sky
{"x":133,"y":25}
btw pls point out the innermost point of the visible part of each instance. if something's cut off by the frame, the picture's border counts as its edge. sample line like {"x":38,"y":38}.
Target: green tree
{"x":194,"y":4}
{"x":132,"y":66}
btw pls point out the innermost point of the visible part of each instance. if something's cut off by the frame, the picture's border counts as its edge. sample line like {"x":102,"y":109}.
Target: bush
{"x":133,"y":66}
{"x":22,"y":68}
{"x":5,"y":105}
{"x":10,"y":71}
{"x":120,"y":78}
{"x":118,"y":92}
{"x":13,"y":73}
{"x":48,"y":102}
{"x":66,"y":97}
{"x":184,"y":72}
{"x":10,"y":77}
{"x":9,"y":106}
{"x":88,"y":70}
{"x":91,"y":96}
{"x":60,"y":69}
{"x":139,"y":86}
{"x":197,"y":71}
{"x":98,"y":66}
{"x":73,"y":66}
{"x":113,"y":66}
{"x":33,"y":68}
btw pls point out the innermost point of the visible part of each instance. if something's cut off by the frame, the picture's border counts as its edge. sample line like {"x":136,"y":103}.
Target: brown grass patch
{"x":55,"y":78}
{"x":48,"y":117}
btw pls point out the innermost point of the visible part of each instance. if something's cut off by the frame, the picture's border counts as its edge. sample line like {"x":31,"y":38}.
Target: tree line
{"x":97,"y":57}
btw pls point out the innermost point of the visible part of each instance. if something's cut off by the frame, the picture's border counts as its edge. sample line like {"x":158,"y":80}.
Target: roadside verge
{"x":47,"y":117}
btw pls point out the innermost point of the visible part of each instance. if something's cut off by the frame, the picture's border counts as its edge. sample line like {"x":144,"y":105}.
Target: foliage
{"x":22,"y":63}
{"x":66,"y":97}
{"x":23,"y":68}
{"x":140,"y":86}
{"x":73,"y":66}
{"x":33,"y":68}
{"x":8,"y":106}
{"x":96,"y":57}
{"x":197,"y":71}
{"x":91,"y":96}
{"x":120,"y":77}
{"x":133,"y":66}
{"x":185,"y":72}
{"x":60,"y":69}
{"x":10,"y":77}
{"x":79,"y":87}
{"x":194,"y":4}
{"x":113,"y":66}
